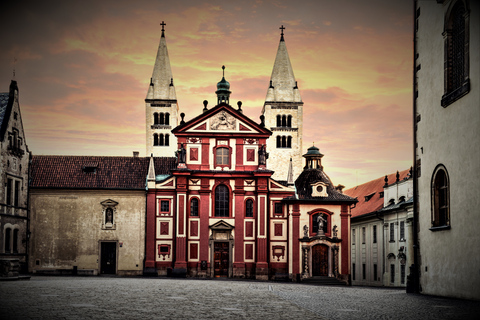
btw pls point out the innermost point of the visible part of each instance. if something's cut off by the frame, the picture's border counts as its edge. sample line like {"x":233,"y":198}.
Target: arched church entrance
{"x":320,"y":260}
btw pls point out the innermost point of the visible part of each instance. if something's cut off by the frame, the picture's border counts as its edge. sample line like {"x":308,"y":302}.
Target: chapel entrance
{"x":108,"y":259}
{"x":220,"y":259}
{"x":320,"y":260}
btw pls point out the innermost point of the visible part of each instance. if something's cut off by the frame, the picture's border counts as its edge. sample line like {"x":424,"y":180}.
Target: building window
{"x":279,"y":120}
{"x":284,"y":142}
{"x":15,"y":240}
{"x":402,"y":274}
{"x":353,"y":271}
{"x":164,"y":206}
{"x":402,"y":230}
{"x":392,"y":273}
{"x":374,"y":234}
{"x":375,"y":272}
{"x":456,"y":34}
{"x":194,"y":207}
{"x":222,"y":156}
{"x":8,"y":233}
{"x":9,"y":191}
{"x":353,"y":236}
{"x":16,"y":193}
{"x":249,"y":208}
{"x":278,"y":208}
{"x":440,"y":199}
{"x":364,"y":271}
{"x":392,"y":232}
{"x":363,"y":235}
{"x":222,"y":203}
{"x":160,"y":139}
{"x":167,"y":140}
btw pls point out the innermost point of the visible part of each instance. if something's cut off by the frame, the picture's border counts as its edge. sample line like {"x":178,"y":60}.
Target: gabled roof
{"x":208,"y":122}
{"x":94,"y":172}
{"x":373,"y":202}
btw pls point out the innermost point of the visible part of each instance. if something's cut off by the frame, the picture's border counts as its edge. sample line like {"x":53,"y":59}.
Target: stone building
{"x":447,"y":146}
{"x":381,"y":231}
{"x":88,"y":214}
{"x":14,"y":166}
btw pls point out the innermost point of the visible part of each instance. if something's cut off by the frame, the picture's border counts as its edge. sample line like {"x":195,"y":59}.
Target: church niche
{"x":109,"y":214}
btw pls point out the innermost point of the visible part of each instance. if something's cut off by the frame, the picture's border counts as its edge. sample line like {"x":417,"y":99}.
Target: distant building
{"x":447,"y":146}
{"x":88,"y":214}
{"x":381,"y":231}
{"x":14,"y":162}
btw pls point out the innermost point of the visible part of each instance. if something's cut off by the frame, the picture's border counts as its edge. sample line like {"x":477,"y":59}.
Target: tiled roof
{"x":93,"y":172}
{"x":367,"y":189}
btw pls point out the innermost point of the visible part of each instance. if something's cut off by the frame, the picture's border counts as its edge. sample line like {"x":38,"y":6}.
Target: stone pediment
{"x":222,"y":118}
{"x":221,"y":225}
{"x":109,"y":203}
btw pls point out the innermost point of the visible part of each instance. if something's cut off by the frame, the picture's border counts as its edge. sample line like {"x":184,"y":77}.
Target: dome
{"x":307,"y":178}
{"x":313,"y":151}
{"x":223,"y":85}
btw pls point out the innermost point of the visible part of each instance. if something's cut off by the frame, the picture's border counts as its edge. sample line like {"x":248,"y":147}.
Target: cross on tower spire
{"x":282,"y":28}
{"x":163,"y":24}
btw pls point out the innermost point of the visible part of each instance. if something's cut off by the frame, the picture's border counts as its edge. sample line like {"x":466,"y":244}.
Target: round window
{"x":319,"y":189}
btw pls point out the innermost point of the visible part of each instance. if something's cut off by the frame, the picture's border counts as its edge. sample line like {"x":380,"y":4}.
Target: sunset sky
{"x":83,"y":69}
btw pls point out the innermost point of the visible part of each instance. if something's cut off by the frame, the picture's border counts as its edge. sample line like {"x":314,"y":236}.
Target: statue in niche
{"x":262,"y":155}
{"x":321,"y":222}
{"x":223,"y":121}
{"x":109,"y":216}
{"x":335,"y":231}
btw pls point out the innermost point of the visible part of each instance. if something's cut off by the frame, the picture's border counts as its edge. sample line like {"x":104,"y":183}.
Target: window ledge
{"x":392,"y":241}
{"x":439,"y":228}
{"x":450,"y":97}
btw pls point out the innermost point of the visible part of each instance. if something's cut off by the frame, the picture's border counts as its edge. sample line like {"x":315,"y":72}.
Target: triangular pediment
{"x":221,"y":225}
{"x":221,"y":119}
{"x":276,"y":186}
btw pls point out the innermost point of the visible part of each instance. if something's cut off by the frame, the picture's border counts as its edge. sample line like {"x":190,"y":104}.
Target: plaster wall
{"x":67,"y":229}
{"x":449,"y":260}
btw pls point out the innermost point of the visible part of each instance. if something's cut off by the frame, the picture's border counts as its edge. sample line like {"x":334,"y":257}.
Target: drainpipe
{"x":414,"y":269}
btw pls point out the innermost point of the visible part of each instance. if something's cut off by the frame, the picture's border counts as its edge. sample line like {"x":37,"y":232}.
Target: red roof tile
{"x":375,"y":186}
{"x":90,"y":172}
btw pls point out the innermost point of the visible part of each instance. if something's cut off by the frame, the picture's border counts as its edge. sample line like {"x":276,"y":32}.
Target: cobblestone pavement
{"x":157,"y":298}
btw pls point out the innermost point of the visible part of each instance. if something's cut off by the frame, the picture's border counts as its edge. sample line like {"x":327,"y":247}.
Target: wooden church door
{"x":220,"y":258}
{"x":320,"y":260}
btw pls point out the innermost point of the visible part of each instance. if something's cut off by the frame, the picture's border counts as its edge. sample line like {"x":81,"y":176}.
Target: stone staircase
{"x":324,"y":281}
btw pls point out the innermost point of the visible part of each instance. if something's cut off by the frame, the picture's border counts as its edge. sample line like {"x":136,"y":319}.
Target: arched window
{"x":284,"y":121}
{"x":222,"y":203}
{"x":284,"y":142}
{"x":440,"y":198}
{"x":160,"y":142}
{"x":457,"y":83}
{"x":167,"y":118}
{"x":279,"y":142}
{"x":155,"y":139}
{"x":222,"y":156}
{"x":194,"y":207}
{"x":249,"y":208}
{"x":167,"y":139}
{"x":289,"y":142}
{"x":8,"y":233}
{"x":155,"y":118}
{"x":279,"y":120}
{"x":289,"y":121}
{"x":162,"y":118}
{"x":15,"y":240}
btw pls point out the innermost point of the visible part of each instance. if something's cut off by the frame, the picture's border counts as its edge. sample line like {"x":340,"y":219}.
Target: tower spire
{"x":161,"y":83}
{"x":223,"y":89}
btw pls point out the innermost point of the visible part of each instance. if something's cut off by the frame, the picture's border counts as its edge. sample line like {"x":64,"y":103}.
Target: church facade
{"x":221,"y":212}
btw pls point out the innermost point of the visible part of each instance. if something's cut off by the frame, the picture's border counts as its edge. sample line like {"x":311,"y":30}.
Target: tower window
{"x":194,"y":207}
{"x":279,"y":120}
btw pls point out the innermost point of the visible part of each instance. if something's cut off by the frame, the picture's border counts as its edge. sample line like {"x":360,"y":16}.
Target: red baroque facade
{"x":220,"y":214}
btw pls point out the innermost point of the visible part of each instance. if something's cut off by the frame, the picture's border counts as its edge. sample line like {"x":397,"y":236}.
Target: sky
{"x":83,"y":70}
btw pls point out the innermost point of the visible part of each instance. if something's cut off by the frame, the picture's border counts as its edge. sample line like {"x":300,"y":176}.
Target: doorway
{"x":108,"y":258}
{"x":220,"y":259}
{"x":320,"y":260}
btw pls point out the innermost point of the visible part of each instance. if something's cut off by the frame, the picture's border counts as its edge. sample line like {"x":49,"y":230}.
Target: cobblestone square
{"x":162,"y":298}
